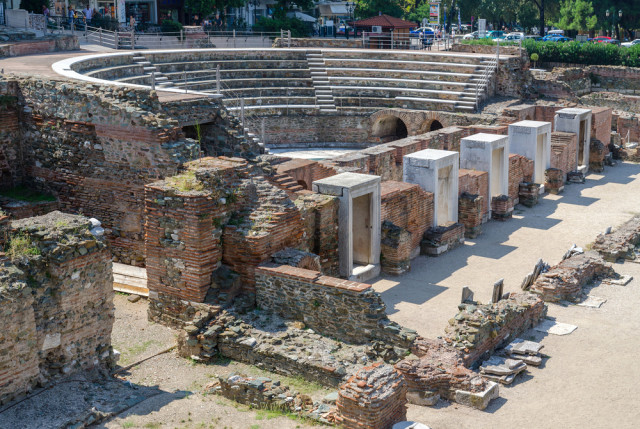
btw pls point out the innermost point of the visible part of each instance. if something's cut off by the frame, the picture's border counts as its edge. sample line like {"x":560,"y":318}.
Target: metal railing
{"x":391,"y":40}
{"x":483,"y":85}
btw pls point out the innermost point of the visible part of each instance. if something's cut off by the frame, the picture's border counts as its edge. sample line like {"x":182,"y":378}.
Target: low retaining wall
{"x":41,"y":46}
{"x":480,"y":329}
{"x":350,"y":311}
{"x":324,"y":42}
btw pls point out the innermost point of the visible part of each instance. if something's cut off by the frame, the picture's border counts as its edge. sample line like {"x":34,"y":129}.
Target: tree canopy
{"x":577,"y":15}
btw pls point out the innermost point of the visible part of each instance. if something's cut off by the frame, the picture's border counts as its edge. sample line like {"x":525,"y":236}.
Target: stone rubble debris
{"x":502,"y":370}
{"x":539,"y":268}
{"x":525,"y":350}
{"x":592,"y":302}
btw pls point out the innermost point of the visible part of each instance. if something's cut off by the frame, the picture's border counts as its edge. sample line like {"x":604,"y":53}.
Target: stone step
{"x":149,"y":69}
{"x":143,"y":63}
{"x":436,"y":100}
{"x":139,"y":57}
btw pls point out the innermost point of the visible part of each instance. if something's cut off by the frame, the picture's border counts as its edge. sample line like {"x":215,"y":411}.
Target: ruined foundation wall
{"x":59,"y":267}
{"x":343,"y":309}
{"x":566,"y":280}
{"x":478,"y":329}
{"x":319,"y":218}
{"x":11,"y":159}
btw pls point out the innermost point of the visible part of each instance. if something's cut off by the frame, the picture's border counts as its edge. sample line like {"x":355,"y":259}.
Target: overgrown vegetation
{"x":170,"y":27}
{"x":21,"y":245}
{"x":185,"y":182}
{"x":23,"y":193}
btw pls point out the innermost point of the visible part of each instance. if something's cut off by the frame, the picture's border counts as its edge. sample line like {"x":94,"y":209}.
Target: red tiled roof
{"x":385,"y":21}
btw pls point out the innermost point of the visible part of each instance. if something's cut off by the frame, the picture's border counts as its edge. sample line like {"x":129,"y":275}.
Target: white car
{"x":515,"y":36}
{"x":630,"y":44}
{"x":470,"y":36}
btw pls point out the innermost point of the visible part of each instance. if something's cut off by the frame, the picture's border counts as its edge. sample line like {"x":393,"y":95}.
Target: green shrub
{"x":170,"y":27}
{"x":274,"y":25}
{"x":584,"y":53}
{"x":105,"y":22}
{"x":21,"y":245}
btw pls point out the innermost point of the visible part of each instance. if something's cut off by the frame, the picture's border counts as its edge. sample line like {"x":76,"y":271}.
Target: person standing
{"x":88,"y":13}
{"x":132,"y":22}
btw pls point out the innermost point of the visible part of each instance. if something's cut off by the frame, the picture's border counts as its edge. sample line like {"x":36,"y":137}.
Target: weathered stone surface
{"x":57,"y":267}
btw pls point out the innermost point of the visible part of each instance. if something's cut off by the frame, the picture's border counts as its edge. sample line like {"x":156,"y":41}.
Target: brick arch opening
{"x":431,"y":124}
{"x":389,"y":128}
{"x":303,"y":184}
{"x":435,"y":125}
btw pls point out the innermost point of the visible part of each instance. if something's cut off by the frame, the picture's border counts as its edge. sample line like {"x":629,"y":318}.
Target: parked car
{"x":561,"y":39}
{"x":417,"y":31}
{"x":514,"y":37}
{"x":494,"y":34}
{"x":536,"y":38}
{"x":630,"y":44}
{"x":551,"y":37}
{"x":601,"y":39}
{"x":470,"y":36}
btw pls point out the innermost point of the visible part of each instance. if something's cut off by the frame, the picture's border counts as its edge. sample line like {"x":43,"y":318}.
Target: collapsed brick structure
{"x":56,"y":302}
{"x":373,"y":398}
{"x":481,"y":328}
{"x":438,"y":373}
{"x":566,"y":280}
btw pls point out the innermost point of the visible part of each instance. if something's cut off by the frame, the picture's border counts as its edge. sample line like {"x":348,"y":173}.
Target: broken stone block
{"x":523,"y":347}
{"x":500,"y":366}
{"x":478,"y":400}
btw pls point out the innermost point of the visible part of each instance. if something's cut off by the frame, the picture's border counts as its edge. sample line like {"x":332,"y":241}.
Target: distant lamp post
{"x":613,"y":19}
{"x":351,"y":6}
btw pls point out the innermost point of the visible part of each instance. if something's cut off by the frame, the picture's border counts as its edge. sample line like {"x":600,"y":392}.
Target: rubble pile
{"x":621,"y":243}
{"x":503,"y":370}
{"x":565,"y":280}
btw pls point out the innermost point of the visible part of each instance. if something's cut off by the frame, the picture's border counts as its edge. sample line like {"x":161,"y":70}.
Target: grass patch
{"x":186,"y":182}
{"x":21,"y":245}
{"x":255,"y":426}
{"x":153,"y":425}
{"x":128,"y":424}
{"x":23,"y":193}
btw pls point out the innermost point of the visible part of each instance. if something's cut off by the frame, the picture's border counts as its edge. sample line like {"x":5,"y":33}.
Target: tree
{"x":577,"y":15}
{"x":284,"y":6}
{"x":419,"y":13}
{"x":34,"y":6}
{"x":204,"y":8}
{"x":369,"y":8}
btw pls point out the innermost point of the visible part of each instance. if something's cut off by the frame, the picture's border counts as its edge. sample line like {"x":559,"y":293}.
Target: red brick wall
{"x":564,"y":151}
{"x":520,"y":170}
{"x":305,"y":171}
{"x":601,"y":125}
{"x":409,"y":207}
{"x":476,"y":183}
{"x":629,"y":126}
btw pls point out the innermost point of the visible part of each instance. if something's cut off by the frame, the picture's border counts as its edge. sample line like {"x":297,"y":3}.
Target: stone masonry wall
{"x":319,"y":217}
{"x":11,"y":161}
{"x":406,"y":213}
{"x":343,"y":309}
{"x":57,"y":267}
{"x":95,"y":147}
